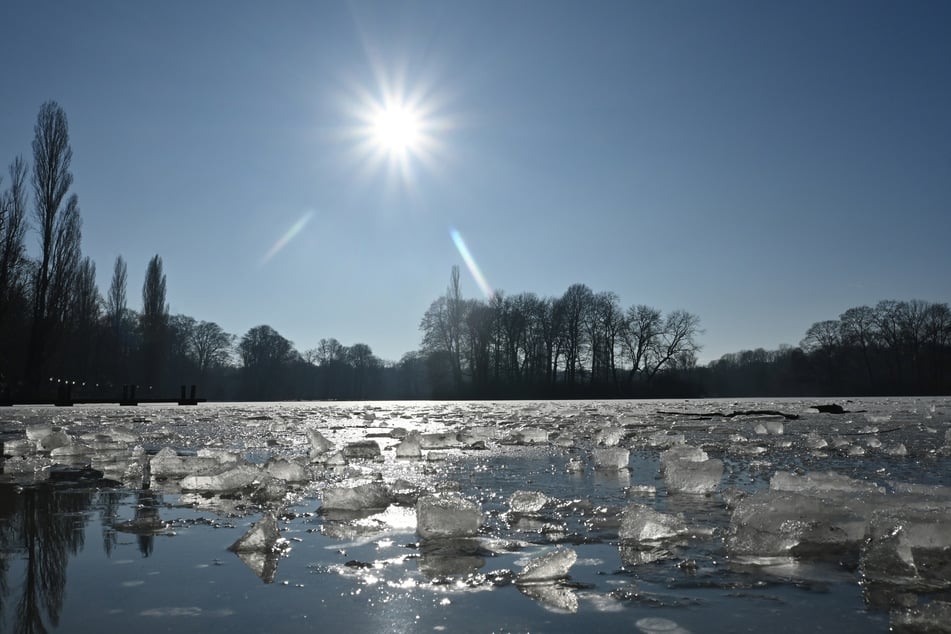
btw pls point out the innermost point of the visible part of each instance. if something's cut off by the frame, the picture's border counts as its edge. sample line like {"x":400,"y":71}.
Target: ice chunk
{"x":447,"y":515}
{"x":362,"y":449}
{"x":35,"y":467}
{"x":527,"y":502}
{"x":548,"y":567}
{"x":122,"y":435}
{"x":682,"y":452}
{"x":689,"y":469}
{"x":410,"y":446}
{"x":774,"y":427}
{"x":930,"y":618}
{"x":533,"y":436}
{"x":909,"y":545}
{"x":611,"y":458}
{"x":72,"y":450}
{"x":260,"y":548}
{"x":897,"y":449}
{"x":821,"y":482}
{"x":815,"y":441}
{"x":39,"y":431}
{"x":686,"y":476}
{"x":760,"y":429}
{"x":54,"y":440}
{"x":318,"y":443}
{"x":284,"y":469}
{"x":221,"y":456}
{"x":372,"y":495}
{"x":168,"y":464}
{"x":473,"y":435}
{"x":785,"y":523}
{"x":609,"y":436}
{"x":530,"y":436}
{"x":230,"y":479}
{"x":665,"y":439}
{"x":439,"y":441}
{"x":335,"y":459}
{"x":18,"y":447}
{"x":642,"y":523}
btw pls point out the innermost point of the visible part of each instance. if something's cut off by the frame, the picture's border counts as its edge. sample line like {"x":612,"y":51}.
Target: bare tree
{"x":603,"y":327}
{"x":857,"y":328}
{"x":14,"y":275}
{"x":442,"y":326}
{"x":576,"y":306}
{"x":455,"y":314}
{"x":58,"y":225}
{"x":822,"y":335}
{"x":677,"y":342}
{"x":12,"y":236}
{"x":210,"y":345}
{"x":329,"y":351}
{"x":639,"y":332}
{"x":478,"y":338}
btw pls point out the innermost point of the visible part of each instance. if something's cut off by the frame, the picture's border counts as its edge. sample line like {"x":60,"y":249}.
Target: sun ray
{"x":470,"y":262}
{"x":289,"y":235}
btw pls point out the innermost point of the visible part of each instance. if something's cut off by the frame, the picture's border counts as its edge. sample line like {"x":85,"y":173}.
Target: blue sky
{"x":762,"y":164}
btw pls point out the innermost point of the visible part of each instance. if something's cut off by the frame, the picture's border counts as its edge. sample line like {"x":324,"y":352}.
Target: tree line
{"x":583,"y":343}
{"x":58,"y":330}
{"x":893,"y":348}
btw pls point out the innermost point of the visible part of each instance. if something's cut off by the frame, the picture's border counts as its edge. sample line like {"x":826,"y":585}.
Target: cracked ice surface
{"x":439,"y":506}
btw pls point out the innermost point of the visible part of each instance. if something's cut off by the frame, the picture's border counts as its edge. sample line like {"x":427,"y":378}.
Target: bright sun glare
{"x":396,"y":128}
{"x":396,"y":131}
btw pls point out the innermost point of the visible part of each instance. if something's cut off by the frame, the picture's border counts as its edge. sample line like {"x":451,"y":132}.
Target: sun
{"x":397,"y":129}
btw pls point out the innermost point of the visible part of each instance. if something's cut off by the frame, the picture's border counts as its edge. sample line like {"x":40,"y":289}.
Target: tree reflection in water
{"x":146,"y":522}
{"x":40,"y":526}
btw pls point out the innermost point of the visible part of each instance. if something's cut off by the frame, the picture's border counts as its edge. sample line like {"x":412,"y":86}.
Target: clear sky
{"x":761,"y":164}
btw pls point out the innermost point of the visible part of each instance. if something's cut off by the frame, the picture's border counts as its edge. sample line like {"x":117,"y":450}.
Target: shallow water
{"x":69,"y":562}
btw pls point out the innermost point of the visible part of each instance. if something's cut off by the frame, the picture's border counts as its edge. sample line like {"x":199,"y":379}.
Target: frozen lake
{"x":643,"y":516}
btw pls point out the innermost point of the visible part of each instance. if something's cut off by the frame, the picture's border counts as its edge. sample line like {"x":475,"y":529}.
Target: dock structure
{"x":64,"y":398}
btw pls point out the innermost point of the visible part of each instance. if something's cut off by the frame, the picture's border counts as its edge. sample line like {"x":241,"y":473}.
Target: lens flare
{"x":289,"y":235}
{"x":471,"y":264}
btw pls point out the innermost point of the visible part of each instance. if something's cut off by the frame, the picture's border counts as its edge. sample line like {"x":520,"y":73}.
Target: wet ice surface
{"x":520,"y":516}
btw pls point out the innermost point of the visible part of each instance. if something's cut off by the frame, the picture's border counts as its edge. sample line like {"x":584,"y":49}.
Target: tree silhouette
{"x":154,"y":321}
{"x":59,"y":226}
{"x":13,"y":273}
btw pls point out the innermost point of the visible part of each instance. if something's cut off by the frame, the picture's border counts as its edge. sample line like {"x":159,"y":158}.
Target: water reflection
{"x":263,"y":564}
{"x":146,"y":522}
{"x":450,"y":557}
{"x":40,"y":527}
{"x":551,"y":596}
